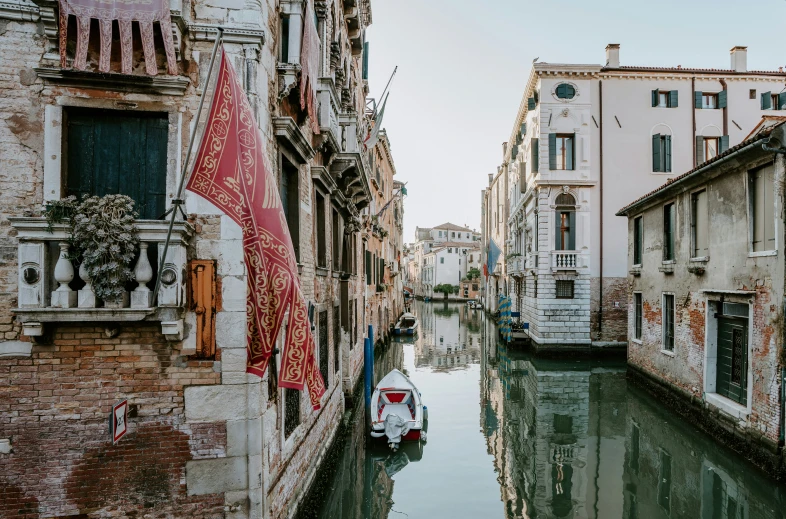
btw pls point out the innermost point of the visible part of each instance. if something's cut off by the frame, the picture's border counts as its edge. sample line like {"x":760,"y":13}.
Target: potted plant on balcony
{"x":103,"y":241}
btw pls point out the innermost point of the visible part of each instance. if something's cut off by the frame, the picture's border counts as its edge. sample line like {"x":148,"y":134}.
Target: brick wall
{"x":54,"y":407}
{"x":615,"y":310}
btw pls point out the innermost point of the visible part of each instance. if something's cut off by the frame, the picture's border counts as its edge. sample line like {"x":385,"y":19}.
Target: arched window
{"x":565,"y":222}
{"x":565,"y":91}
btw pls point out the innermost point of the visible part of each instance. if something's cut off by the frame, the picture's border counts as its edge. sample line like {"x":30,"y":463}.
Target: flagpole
{"x":374,"y":115}
{"x":178,"y":200}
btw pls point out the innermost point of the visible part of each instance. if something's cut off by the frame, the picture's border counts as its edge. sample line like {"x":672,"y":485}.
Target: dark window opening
{"x":637,"y":315}
{"x":336,"y":339}
{"x":668,"y":322}
{"x":669,"y":228}
{"x":638,"y":239}
{"x":118,"y":152}
{"x":565,"y":289}
{"x":321,"y":231}
{"x":322,"y":334}
{"x":290,"y":200}
{"x":291,"y":411}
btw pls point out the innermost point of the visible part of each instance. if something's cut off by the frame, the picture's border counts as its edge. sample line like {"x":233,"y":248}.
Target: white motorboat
{"x":397,"y":410}
{"x":407,"y":324}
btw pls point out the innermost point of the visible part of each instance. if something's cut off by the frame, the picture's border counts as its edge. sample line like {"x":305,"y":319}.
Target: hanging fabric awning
{"x":144,"y":12}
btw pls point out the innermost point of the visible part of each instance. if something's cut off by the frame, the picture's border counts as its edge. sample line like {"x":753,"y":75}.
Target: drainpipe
{"x":725,"y":109}
{"x":600,"y":188}
{"x":693,"y":115}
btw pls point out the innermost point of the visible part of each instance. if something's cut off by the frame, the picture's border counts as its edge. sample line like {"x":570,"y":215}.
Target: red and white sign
{"x":119,"y":420}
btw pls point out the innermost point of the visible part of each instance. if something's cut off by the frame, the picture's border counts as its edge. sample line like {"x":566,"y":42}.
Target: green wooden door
{"x":732,"y":381}
{"x":114,"y":152}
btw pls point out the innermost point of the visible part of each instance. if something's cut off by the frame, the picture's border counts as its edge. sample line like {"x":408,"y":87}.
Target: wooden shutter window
{"x":667,"y":148}
{"x":531,"y":103}
{"x":668,"y":232}
{"x":535,"y":152}
{"x":724,"y":143}
{"x":655,"y":97}
{"x":723,"y":99}
{"x":699,"y":228}
{"x":781,"y":101}
{"x":673,"y":99}
{"x":766,"y":101}
{"x":699,"y":149}
{"x":552,"y":151}
{"x":697,"y":99}
{"x":656,"y":152}
{"x":570,"y":154}
{"x":202,"y":295}
{"x":368,"y":268}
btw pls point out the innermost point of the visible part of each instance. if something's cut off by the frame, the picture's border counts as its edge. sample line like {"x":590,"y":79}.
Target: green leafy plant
{"x":446,"y":289}
{"x":103,"y":238}
{"x":473,"y":274}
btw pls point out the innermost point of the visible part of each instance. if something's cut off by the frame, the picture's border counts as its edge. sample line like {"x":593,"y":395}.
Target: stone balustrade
{"x":53,"y":289}
{"x":568,"y":260}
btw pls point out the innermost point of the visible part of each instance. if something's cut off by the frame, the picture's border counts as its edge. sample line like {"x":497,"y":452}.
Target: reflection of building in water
{"x":671,"y":471}
{"x":557,"y":453}
{"x":449,"y":338}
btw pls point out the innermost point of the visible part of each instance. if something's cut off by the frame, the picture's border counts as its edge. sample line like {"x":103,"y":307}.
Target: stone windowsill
{"x":668,"y":353}
{"x":727,"y":406}
{"x":322,"y":271}
{"x":636,"y":341}
{"x":667,"y":267}
{"x":762,"y":254}
{"x":635,"y":270}
{"x":700,"y":259}
{"x":15,"y":349}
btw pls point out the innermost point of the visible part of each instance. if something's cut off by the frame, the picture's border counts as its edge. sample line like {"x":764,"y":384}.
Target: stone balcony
{"x":328,"y":103}
{"x":52,"y":289}
{"x":516,"y":266}
{"x":566,"y":260}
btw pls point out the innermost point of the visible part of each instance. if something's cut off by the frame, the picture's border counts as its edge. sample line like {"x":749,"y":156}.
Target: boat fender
{"x":423,"y":436}
{"x":425,"y":413}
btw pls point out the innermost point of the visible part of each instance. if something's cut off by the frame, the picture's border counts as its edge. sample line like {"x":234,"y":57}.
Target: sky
{"x":463,"y":66}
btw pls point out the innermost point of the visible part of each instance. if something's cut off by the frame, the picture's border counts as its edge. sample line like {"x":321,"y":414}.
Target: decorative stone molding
{"x":288,"y":133}
{"x":20,"y":12}
{"x":287,"y":78}
{"x":163,"y":85}
{"x":207,"y":32}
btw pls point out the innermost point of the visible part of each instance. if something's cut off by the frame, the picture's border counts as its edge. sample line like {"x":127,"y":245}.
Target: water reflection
{"x":518,"y":437}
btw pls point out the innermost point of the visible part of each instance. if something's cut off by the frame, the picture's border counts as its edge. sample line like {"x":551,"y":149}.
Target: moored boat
{"x":397,"y":410}
{"x":407,"y":324}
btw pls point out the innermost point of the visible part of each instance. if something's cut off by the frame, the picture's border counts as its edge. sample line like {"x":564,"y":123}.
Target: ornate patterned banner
{"x":309,"y":61}
{"x":230,"y":171}
{"x":144,"y":12}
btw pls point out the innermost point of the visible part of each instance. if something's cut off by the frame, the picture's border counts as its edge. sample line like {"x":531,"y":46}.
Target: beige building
{"x":587,"y":139}
{"x":204,"y":438}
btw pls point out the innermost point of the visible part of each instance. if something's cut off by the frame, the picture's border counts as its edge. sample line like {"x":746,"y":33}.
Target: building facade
{"x":706,"y":292}
{"x":205,"y":439}
{"x":384,"y":243}
{"x":586,"y":139}
{"x":440,"y":255}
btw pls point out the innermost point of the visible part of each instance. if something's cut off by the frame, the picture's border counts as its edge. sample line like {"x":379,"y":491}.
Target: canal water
{"x":512,"y":436}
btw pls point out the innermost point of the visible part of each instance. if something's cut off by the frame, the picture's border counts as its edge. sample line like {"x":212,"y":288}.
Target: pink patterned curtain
{"x":145,"y":12}
{"x":309,"y":61}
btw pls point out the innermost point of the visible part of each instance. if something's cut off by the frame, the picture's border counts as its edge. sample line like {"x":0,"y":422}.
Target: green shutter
{"x":368,"y":267}
{"x":656,"y":152}
{"x":673,"y":99}
{"x":523,"y":129}
{"x":699,"y":150}
{"x":766,"y":100}
{"x":531,"y":103}
{"x":668,"y":153}
{"x":113,"y":152}
{"x":535,"y":152}
{"x":781,"y":101}
{"x":561,"y":92}
{"x":552,"y":151}
{"x":365,"y":60}
{"x":697,"y":100}
{"x":571,"y":154}
{"x":724,"y":143}
{"x":572,"y":233}
{"x":514,"y":152}
{"x":722,"y":99}
{"x":557,"y":233}
{"x":655,"y":97}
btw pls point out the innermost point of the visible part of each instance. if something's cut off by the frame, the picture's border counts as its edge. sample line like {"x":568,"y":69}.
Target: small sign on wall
{"x":118,"y":421}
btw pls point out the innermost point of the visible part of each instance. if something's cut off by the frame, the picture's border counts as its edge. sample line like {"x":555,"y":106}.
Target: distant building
{"x":706,"y":280}
{"x":433,"y":261}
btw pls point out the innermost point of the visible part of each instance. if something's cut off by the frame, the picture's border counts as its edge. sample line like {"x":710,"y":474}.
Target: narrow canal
{"x":511,"y":436}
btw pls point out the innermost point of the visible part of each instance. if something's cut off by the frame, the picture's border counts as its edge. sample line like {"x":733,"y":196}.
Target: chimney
{"x":739,"y":59}
{"x":613,"y":55}
{"x":491,"y":178}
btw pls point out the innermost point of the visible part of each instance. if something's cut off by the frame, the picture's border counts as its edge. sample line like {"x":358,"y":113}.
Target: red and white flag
{"x":231,"y":172}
